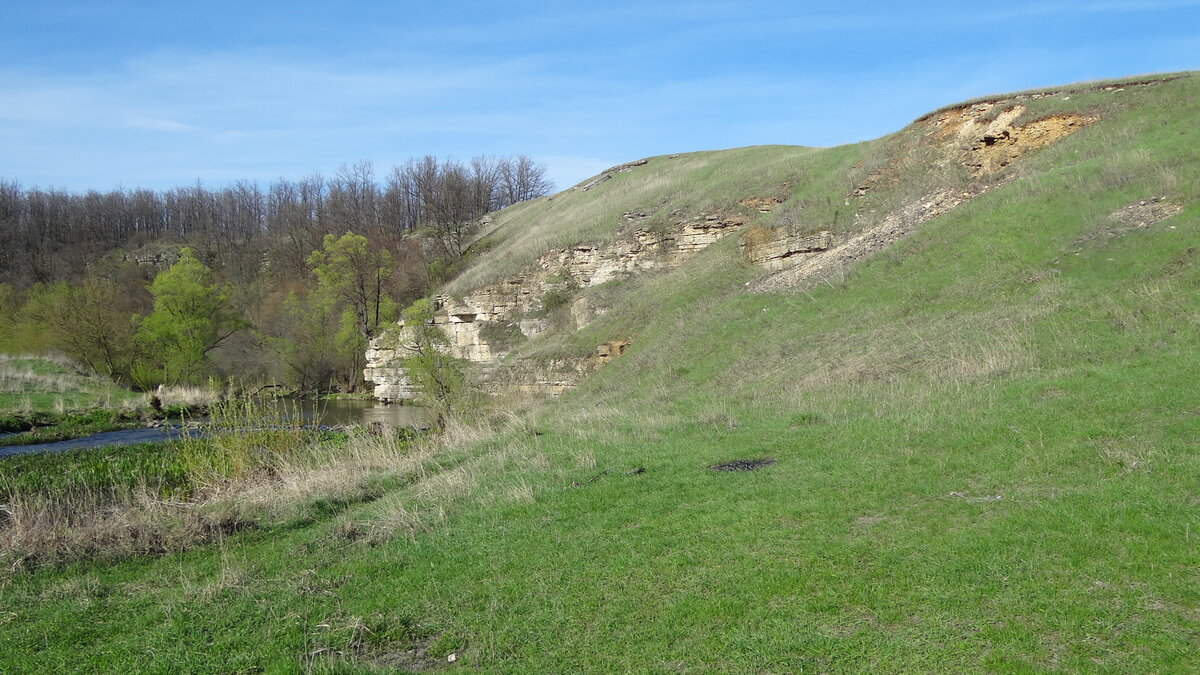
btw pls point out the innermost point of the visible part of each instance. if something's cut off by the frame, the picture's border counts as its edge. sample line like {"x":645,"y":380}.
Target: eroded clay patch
{"x":985,"y":142}
{"x":1138,"y":215}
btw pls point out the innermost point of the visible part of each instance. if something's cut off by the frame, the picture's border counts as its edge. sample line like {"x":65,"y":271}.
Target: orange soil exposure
{"x":761,"y":204}
{"x":986,"y":144}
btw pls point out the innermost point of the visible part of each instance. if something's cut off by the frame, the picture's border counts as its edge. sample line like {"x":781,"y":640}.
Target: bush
{"x":555,"y":298}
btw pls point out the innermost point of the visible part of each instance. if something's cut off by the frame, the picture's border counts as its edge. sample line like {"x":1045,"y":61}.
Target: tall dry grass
{"x":189,"y":396}
{"x":416,"y":482}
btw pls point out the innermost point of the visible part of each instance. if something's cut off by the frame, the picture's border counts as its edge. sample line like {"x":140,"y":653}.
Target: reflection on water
{"x":312,"y":413}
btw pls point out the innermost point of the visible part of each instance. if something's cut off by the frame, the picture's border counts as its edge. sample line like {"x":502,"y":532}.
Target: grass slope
{"x":35,"y":384}
{"x":987,"y":445}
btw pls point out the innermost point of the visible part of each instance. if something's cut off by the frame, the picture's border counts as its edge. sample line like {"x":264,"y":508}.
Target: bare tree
{"x":523,"y":179}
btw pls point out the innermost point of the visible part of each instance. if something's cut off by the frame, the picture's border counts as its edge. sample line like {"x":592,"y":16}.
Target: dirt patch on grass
{"x":761,"y":204}
{"x":416,"y":660}
{"x":1138,"y":215}
{"x":743,"y":464}
{"x":1145,"y":213}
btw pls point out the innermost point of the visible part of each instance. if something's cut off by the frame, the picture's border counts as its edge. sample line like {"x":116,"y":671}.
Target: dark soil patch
{"x":415,"y":660}
{"x":743,"y":464}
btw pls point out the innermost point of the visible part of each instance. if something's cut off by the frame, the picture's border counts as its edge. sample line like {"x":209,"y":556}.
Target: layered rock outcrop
{"x":485,"y":325}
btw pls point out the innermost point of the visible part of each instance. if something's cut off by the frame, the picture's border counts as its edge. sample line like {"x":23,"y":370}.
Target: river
{"x":341,"y":412}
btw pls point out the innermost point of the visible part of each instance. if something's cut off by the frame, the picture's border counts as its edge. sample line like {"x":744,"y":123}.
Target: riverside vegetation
{"x":985,"y":443}
{"x":51,"y":398}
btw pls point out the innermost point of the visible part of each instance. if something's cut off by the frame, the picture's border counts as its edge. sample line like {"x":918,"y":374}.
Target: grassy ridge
{"x":667,"y":188}
{"x":986,"y":440}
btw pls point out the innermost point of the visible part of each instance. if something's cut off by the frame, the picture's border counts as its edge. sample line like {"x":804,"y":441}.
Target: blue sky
{"x":97,"y":95}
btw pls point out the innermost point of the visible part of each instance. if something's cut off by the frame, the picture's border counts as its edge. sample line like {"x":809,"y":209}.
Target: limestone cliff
{"x":483,"y":326}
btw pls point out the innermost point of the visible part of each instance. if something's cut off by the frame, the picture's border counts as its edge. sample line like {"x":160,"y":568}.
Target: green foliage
{"x":18,"y":334}
{"x":438,"y":376}
{"x":89,"y":323}
{"x":302,"y":339}
{"x":350,"y":271}
{"x":555,"y":298}
{"x":192,"y":315}
{"x":352,"y":284}
{"x":501,"y":334}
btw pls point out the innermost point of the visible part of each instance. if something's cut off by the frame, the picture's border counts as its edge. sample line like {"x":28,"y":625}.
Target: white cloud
{"x":154,"y":124}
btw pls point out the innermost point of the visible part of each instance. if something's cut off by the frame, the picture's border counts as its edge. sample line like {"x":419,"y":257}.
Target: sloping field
{"x":981,"y":431}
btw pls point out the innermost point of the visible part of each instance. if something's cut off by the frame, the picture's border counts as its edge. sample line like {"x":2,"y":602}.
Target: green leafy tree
{"x":18,"y":332}
{"x":352,"y":281}
{"x":349,"y":270}
{"x":438,"y":376}
{"x":192,"y":315}
{"x":89,"y":323}
{"x":299,"y":334}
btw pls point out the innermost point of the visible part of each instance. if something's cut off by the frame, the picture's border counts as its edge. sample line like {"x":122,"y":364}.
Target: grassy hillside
{"x":668,"y":188}
{"x":34,"y":384}
{"x":986,"y":445}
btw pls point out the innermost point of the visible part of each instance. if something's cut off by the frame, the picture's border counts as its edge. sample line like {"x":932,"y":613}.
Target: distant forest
{"x":293,"y":278}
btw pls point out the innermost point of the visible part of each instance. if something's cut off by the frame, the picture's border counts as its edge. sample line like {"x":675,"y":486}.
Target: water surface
{"x":319,"y":414}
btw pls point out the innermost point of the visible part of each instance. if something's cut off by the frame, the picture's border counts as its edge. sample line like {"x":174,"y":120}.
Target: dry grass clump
{"x":37,"y":531}
{"x":184,"y":395}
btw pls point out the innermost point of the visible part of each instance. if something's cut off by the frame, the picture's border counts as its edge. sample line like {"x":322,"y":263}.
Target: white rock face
{"x":779,"y":249}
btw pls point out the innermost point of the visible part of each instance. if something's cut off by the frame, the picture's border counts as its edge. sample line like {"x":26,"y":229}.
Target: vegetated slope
{"x":985,"y":432}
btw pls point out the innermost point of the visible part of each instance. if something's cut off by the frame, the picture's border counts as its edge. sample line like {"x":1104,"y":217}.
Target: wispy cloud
{"x":154,"y":124}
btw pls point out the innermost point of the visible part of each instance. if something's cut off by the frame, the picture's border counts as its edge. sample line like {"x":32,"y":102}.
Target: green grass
{"x":50,"y":398}
{"x":35,"y":384}
{"x":987,"y":445}
{"x":48,"y":427}
{"x":45,"y":399}
{"x":111,"y":473}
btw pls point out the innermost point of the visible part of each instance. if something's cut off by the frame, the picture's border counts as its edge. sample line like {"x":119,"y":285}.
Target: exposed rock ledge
{"x":484,"y":326}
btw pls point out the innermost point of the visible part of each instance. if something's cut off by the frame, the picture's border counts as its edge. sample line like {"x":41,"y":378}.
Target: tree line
{"x":51,"y":235}
{"x":286,"y":283}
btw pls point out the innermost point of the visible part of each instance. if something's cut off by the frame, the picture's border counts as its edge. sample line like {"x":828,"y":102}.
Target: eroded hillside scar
{"x":984,"y":139}
{"x":986,"y":143}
